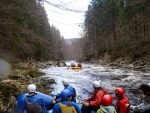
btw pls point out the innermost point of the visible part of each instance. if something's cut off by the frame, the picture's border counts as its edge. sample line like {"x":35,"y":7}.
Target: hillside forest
{"x":25,"y":32}
{"x":114,"y":28}
{"x":117,"y":28}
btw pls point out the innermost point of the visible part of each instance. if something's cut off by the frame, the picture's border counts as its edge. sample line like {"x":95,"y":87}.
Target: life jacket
{"x":33,"y":107}
{"x":101,"y":111}
{"x":67,"y":108}
{"x":106,"y":109}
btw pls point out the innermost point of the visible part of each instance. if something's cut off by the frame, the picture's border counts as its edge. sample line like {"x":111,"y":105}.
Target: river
{"x":109,"y":77}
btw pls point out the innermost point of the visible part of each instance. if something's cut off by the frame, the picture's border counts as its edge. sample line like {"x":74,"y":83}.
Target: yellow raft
{"x":76,"y":68}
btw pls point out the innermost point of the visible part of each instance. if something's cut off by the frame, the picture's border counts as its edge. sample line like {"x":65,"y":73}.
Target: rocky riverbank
{"x":142,"y":64}
{"x":16,"y":81}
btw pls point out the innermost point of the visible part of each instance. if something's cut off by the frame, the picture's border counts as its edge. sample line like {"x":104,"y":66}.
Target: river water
{"x":109,"y":77}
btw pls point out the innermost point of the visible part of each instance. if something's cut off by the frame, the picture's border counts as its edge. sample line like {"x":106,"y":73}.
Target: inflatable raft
{"x":76,"y":68}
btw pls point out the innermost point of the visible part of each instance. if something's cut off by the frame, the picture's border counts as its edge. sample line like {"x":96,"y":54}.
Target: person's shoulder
{"x":38,"y":95}
{"x":74,"y":104}
{"x":124,"y":101}
{"x":105,"y":91}
{"x":70,"y":87}
{"x":125,"y":98}
{"x":100,"y":91}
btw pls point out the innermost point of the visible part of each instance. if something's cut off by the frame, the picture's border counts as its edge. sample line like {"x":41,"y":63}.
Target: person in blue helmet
{"x":70,"y":88}
{"x":32,"y":102}
{"x":66,"y":105}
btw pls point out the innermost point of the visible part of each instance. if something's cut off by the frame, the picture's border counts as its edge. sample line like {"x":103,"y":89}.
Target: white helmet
{"x":65,"y":82}
{"x":31,"y":88}
{"x":96,"y":84}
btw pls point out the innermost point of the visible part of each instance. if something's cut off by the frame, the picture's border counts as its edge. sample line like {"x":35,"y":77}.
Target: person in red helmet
{"x":73,"y":65}
{"x":121,"y":101}
{"x":106,"y":106}
{"x":79,"y":65}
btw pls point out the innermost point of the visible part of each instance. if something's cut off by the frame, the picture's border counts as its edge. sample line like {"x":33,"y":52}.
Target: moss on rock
{"x":35,"y":73}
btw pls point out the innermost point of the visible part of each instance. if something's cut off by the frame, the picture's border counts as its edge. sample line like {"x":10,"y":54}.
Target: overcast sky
{"x":67,"y":21}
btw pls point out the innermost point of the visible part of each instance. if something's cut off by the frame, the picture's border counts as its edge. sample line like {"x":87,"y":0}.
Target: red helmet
{"x":107,"y":100}
{"x":119,"y":92}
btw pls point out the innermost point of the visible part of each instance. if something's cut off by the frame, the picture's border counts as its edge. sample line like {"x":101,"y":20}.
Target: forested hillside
{"x":25,"y":32}
{"x":112,"y":28}
{"x":117,"y":28}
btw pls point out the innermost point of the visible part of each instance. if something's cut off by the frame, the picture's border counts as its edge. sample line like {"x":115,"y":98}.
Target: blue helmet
{"x":65,"y":93}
